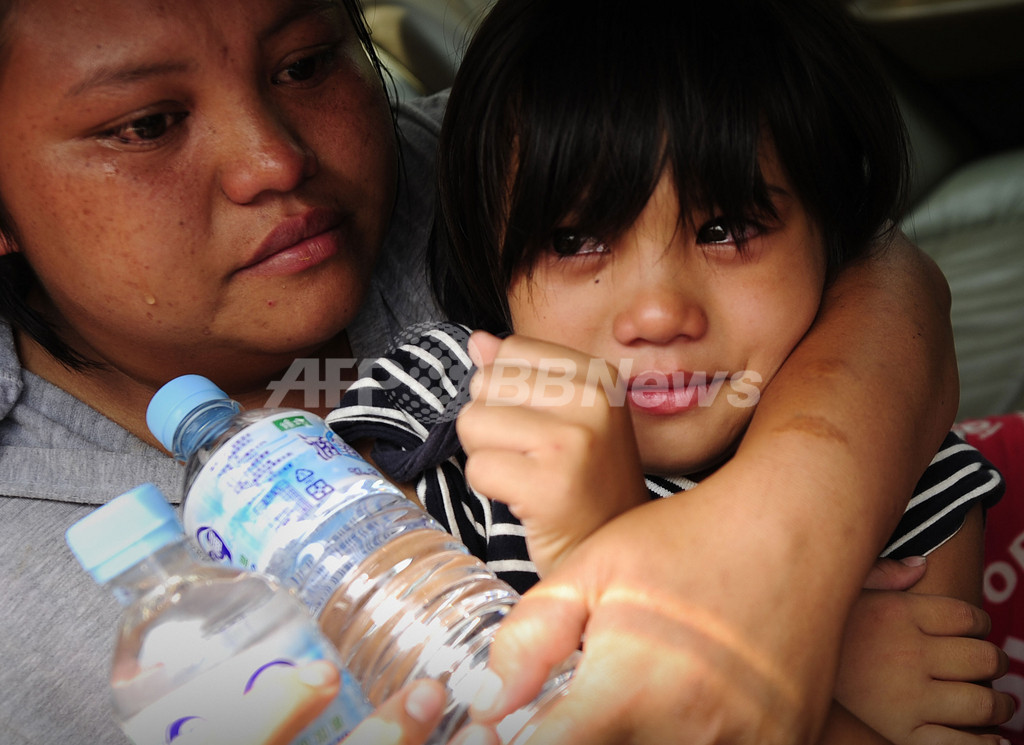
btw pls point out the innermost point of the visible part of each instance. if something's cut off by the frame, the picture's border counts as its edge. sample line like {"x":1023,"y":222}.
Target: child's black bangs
{"x":571,"y":164}
{"x":683,"y":102}
{"x":575,"y":175}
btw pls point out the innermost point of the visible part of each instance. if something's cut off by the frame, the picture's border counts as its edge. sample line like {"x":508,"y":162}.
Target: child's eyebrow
{"x":116,"y":76}
{"x":778,"y":193}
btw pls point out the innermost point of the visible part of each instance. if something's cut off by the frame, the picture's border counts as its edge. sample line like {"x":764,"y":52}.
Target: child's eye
{"x":717,"y":232}
{"x":145,"y":129}
{"x":568,"y":242}
{"x":307,"y":68}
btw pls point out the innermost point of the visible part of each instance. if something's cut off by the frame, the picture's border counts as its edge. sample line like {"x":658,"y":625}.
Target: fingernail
{"x":476,"y":383}
{"x":913,"y":561}
{"x":374,"y":731}
{"x":474,"y":734}
{"x":488,"y":692}
{"x":424,"y":702}
{"x":316,"y":674}
{"x":474,"y":353}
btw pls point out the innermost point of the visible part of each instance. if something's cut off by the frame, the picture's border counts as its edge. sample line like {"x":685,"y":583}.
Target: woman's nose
{"x":660,"y":312}
{"x":261,"y":155}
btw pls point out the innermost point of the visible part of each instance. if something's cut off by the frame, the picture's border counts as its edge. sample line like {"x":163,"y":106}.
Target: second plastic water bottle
{"x":196,"y":639}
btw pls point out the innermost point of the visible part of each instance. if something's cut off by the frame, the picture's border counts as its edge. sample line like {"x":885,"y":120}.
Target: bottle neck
{"x":167,"y":566}
{"x":202,"y":425}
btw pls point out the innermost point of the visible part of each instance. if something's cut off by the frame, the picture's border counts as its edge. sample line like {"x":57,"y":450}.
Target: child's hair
{"x":16,"y":276}
{"x":569,"y":111}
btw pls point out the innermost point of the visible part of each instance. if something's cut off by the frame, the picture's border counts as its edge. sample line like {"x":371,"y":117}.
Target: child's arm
{"x":548,"y":434}
{"x":739,"y":595}
{"x":910,"y":660}
{"x":843,"y":728}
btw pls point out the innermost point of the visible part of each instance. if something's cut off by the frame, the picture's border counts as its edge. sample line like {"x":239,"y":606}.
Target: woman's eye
{"x":567,"y":242}
{"x":145,"y":129}
{"x":307,"y":68}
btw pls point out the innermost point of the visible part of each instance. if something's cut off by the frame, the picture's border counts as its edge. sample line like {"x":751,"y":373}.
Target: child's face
{"x":199,"y":185}
{"x":667,"y":304}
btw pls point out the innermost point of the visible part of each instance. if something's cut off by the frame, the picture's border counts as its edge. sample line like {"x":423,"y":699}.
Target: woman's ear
{"x":7,"y":244}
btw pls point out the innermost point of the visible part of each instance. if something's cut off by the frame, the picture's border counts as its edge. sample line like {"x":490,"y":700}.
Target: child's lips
{"x":656,"y":392}
{"x":663,"y":400}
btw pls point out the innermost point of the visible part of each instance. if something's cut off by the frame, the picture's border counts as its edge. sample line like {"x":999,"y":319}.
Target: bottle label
{"x":261,"y":498}
{"x":244,"y":699}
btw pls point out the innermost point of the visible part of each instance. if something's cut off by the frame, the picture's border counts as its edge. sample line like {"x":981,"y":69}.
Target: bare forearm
{"x":838,"y":442}
{"x":864,"y":401}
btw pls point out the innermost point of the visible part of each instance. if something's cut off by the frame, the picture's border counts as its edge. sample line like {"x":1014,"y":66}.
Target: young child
{"x":652,"y":203}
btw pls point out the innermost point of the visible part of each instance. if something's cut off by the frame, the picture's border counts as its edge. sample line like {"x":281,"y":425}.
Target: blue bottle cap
{"x":175,"y":401}
{"x":124,"y":531}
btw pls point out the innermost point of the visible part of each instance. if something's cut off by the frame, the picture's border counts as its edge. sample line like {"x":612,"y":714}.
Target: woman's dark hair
{"x":572,"y":109}
{"x":16,"y":276}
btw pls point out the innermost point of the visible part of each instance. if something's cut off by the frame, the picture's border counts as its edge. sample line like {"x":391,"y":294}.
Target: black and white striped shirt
{"x":407,"y":406}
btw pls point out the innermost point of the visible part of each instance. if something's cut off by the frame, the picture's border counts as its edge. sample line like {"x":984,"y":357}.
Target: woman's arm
{"x":871,"y":392}
{"x":730,"y":605}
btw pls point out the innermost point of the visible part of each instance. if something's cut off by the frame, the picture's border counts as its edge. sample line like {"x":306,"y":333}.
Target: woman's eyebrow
{"x":299,"y":11}
{"x":115,"y":76}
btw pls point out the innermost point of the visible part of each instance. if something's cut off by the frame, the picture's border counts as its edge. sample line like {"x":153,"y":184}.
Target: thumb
{"x":890,"y":574}
{"x":483,"y":348}
{"x":540,"y":633}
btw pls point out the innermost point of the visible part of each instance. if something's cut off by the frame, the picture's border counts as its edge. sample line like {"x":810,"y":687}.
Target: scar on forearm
{"x":813,"y":425}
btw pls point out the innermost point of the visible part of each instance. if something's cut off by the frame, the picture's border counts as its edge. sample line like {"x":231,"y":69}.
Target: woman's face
{"x":200,"y":186}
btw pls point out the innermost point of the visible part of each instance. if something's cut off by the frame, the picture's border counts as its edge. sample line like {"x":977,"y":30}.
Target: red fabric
{"x":1001,"y":440}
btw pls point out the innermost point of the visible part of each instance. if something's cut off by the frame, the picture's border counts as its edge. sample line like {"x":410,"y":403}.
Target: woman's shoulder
{"x":10,"y":370}
{"x":399,"y":295}
{"x":55,"y":447}
{"x":421,"y":116}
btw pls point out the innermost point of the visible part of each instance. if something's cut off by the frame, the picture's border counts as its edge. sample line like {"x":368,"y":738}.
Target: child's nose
{"x":660,"y":313}
{"x":261,"y":154}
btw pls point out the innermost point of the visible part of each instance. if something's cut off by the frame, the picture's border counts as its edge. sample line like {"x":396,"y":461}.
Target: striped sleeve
{"x":406,"y":403}
{"x":958,"y":478}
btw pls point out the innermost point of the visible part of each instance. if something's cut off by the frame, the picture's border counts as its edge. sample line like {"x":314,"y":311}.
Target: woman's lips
{"x":297,"y":244}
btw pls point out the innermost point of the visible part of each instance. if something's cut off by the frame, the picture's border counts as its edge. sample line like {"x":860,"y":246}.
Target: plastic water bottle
{"x":195,"y":637}
{"x":277,"y":490}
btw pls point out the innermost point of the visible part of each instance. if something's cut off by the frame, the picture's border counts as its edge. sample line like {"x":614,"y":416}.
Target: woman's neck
{"x":124,"y":398}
